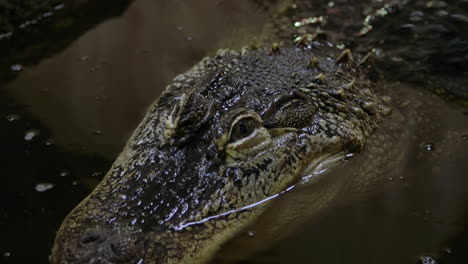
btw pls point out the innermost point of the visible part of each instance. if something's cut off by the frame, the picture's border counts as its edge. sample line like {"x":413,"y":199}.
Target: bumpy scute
{"x":232,"y":132}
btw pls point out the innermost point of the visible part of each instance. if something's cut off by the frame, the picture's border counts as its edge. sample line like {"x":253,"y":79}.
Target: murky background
{"x":64,"y":118}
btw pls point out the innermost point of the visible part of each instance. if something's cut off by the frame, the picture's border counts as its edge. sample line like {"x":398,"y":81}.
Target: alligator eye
{"x":290,"y":110}
{"x":242,"y":129}
{"x":246,"y":136}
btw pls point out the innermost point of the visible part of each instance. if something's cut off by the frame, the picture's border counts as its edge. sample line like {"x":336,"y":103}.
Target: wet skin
{"x":224,"y":136}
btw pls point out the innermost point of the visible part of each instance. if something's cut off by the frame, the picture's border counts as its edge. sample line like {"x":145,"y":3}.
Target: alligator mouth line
{"x":185,"y":225}
{"x":319,"y":166}
{"x":310,"y":172}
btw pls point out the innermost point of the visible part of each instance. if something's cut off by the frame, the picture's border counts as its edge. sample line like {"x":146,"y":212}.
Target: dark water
{"x":64,"y":120}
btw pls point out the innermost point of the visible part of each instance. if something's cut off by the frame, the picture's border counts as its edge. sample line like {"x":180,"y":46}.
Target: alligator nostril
{"x":93,"y":237}
{"x":90,"y":239}
{"x":118,"y":249}
{"x":121,"y":249}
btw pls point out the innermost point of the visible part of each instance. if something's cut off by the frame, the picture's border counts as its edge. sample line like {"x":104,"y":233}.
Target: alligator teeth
{"x":320,"y":78}
{"x":245,"y":49}
{"x":345,"y":56}
{"x":274,"y":49}
{"x":350,"y":84}
{"x":339,"y":93}
{"x":366,"y":60}
{"x":314,"y":62}
{"x":369,"y":106}
{"x":304,"y":39}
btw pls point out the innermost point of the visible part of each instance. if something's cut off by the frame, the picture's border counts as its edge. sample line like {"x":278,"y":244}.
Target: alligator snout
{"x":94,"y":246}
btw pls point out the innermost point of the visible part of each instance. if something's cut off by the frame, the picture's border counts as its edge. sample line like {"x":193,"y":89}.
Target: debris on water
{"x":447,"y":250}
{"x":7,"y":254}
{"x":48,"y":14}
{"x":12,"y":117}
{"x":58,"y":7}
{"x":42,"y":187}
{"x":429,"y":146}
{"x":96,"y":67}
{"x":441,"y":13}
{"x":30,"y":134}
{"x":96,"y":174}
{"x":465,"y":137}
{"x":386,"y":99}
{"x":251,"y":234}
{"x":16,"y":67}
{"x":436,"y":4}
{"x":98,"y":132}
{"x":402,"y":177}
{"x":427,"y":212}
{"x":427,"y":260}
{"x":308,"y":21}
{"x":405,"y":103}
{"x":340,"y":46}
{"x":74,"y":183}
{"x":416,"y":16}
{"x":460,"y":17}
{"x":49,"y":142}
{"x":64,"y":173}
{"x":6,"y":35}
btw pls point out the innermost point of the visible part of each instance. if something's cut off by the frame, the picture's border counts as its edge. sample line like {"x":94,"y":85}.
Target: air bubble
{"x":429,"y":147}
{"x":42,"y":187}
{"x":30,"y":134}
{"x":12,"y":117}
{"x":16,"y":67}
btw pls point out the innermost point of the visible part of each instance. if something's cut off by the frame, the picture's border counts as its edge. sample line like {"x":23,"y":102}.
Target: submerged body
{"x":227,"y":136}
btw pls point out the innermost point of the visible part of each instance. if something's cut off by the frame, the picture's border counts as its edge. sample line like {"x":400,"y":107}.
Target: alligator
{"x":224,"y":139}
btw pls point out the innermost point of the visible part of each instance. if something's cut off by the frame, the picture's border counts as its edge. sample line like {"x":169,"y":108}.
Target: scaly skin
{"x":238,"y":129}
{"x":234,"y":131}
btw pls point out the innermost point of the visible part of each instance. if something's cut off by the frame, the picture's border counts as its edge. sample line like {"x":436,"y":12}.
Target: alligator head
{"x":229,"y":134}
